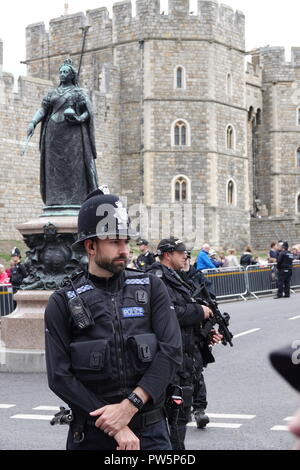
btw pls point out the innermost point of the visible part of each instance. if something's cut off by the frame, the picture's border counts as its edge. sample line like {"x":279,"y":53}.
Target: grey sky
{"x":267,"y":22}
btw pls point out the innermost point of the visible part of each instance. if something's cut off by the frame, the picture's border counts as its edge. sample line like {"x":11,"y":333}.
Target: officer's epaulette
{"x":132,"y":271}
{"x":134,"y":276}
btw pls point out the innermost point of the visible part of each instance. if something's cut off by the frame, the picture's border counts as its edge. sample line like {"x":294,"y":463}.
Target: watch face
{"x":135,"y":400}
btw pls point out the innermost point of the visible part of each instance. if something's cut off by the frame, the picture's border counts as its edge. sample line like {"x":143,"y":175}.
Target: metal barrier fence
{"x":261,"y":279}
{"x":295,"y":281}
{"x":6,"y":299}
{"x":227,"y":282}
{"x":256,"y":279}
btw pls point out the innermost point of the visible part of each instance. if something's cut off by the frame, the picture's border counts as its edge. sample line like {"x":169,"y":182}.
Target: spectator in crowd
{"x":295,"y":252}
{"x":273,"y":253}
{"x":4,"y":279}
{"x":247,"y":258}
{"x":131,"y":260}
{"x":146,"y":258}
{"x":279,"y":247}
{"x":18,"y":271}
{"x":217,"y":262}
{"x":222,"y":257}
{"x":231,"y":260}
{"x":203,"y":259}
{"x":8,"y":270}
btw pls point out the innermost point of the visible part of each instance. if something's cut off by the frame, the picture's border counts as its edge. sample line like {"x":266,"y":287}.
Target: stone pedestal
{"x":22,"y":334}
{"x":51,"y":259}
{"x":50,"y":262}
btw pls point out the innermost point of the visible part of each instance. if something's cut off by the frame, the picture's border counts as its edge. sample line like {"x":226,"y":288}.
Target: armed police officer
{"x":284,"y":266}
{"x":172,"y":255}
{"x":113,"y":342}
{"x":146,"y":258}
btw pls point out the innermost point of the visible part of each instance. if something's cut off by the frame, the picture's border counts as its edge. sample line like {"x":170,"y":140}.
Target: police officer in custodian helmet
{"x":113,"y":342}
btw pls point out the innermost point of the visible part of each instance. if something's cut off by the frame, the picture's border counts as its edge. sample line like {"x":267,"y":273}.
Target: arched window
{"x":180,"y":133}
{"x":230,"y":138}
{"x":298,"y":158}
{"x":179,"y":77}
{"x":298,"y":204}
{"x":229,"y":85}
{"x":181,"y":189}
{"x":231,"y":193}
{"x":298,"y":116}
{"x":258,"y":116}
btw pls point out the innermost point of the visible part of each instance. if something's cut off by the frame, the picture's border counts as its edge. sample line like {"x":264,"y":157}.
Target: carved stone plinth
{"x":22,"y":333}
{"x":51,"y":260}
{"x":24,"y":327}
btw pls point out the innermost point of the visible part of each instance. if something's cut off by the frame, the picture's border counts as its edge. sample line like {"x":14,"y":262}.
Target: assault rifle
{"x":203,"y":297}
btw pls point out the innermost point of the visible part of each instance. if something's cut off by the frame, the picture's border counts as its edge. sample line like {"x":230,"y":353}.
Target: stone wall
{"x":19,"y":175}
{"x":280,"y":132}
{"x":128,"y":68}
{"x":268,"y":229}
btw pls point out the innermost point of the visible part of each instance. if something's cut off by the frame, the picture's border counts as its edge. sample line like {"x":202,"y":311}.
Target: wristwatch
{"x":135,"y":400}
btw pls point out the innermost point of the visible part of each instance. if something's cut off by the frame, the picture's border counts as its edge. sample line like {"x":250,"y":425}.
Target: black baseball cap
{"x":169,"y":245}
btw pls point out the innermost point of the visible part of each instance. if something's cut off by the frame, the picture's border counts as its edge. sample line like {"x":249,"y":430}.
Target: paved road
{"x":242,"y":382}
{"x":248,"y":402}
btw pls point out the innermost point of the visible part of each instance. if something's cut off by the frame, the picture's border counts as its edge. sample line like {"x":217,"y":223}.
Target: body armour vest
{"x":112,"y":354}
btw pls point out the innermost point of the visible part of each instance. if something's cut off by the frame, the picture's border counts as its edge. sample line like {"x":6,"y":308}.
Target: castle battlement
{"x":214,"y":22}
{"x":275,"y":67}
{"x":1,"y":55}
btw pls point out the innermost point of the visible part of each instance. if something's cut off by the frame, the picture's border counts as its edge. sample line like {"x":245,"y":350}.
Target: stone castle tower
{"x":273,"y":100}
{"x":177,"y":118}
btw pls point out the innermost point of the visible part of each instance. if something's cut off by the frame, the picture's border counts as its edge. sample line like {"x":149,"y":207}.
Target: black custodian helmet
{"x":103,"y":215}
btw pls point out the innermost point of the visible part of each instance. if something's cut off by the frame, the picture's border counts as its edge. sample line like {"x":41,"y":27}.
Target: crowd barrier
{"x":240,"y":282}
{"x":227,"y":282}
{"x":6,"y":299}
{"x":261,"y":279}
{"x":295,"y":281}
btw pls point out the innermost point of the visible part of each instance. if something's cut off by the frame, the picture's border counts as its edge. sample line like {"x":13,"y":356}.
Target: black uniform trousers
{"x":199,"y":394}
{"x":284,"y":282}
{"x":152,"y":437}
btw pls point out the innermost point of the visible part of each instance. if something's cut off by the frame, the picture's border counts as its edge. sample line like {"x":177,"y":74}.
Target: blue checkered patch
{"x":71,"y":294}
{"x":142,"y":281}
{"x":131,"y":312}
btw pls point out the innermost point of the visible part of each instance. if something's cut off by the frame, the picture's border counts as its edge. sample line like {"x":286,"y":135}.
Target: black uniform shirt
{"x":285,"y":260}
{"x":18,"y":273}
{"x":145,"y":260}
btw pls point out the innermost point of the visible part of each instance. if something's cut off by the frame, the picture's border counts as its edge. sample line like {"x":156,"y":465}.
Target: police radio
{"x":80,"y":312}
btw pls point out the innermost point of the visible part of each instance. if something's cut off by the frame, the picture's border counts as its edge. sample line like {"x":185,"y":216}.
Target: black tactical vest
{"x":112,"y":355}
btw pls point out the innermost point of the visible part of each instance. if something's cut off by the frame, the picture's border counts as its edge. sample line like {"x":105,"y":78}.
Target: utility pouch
{"x":141,"y":350}
{"x":187,"y":394}
{"x":91,"y":359}
{"x":145,"y":345}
